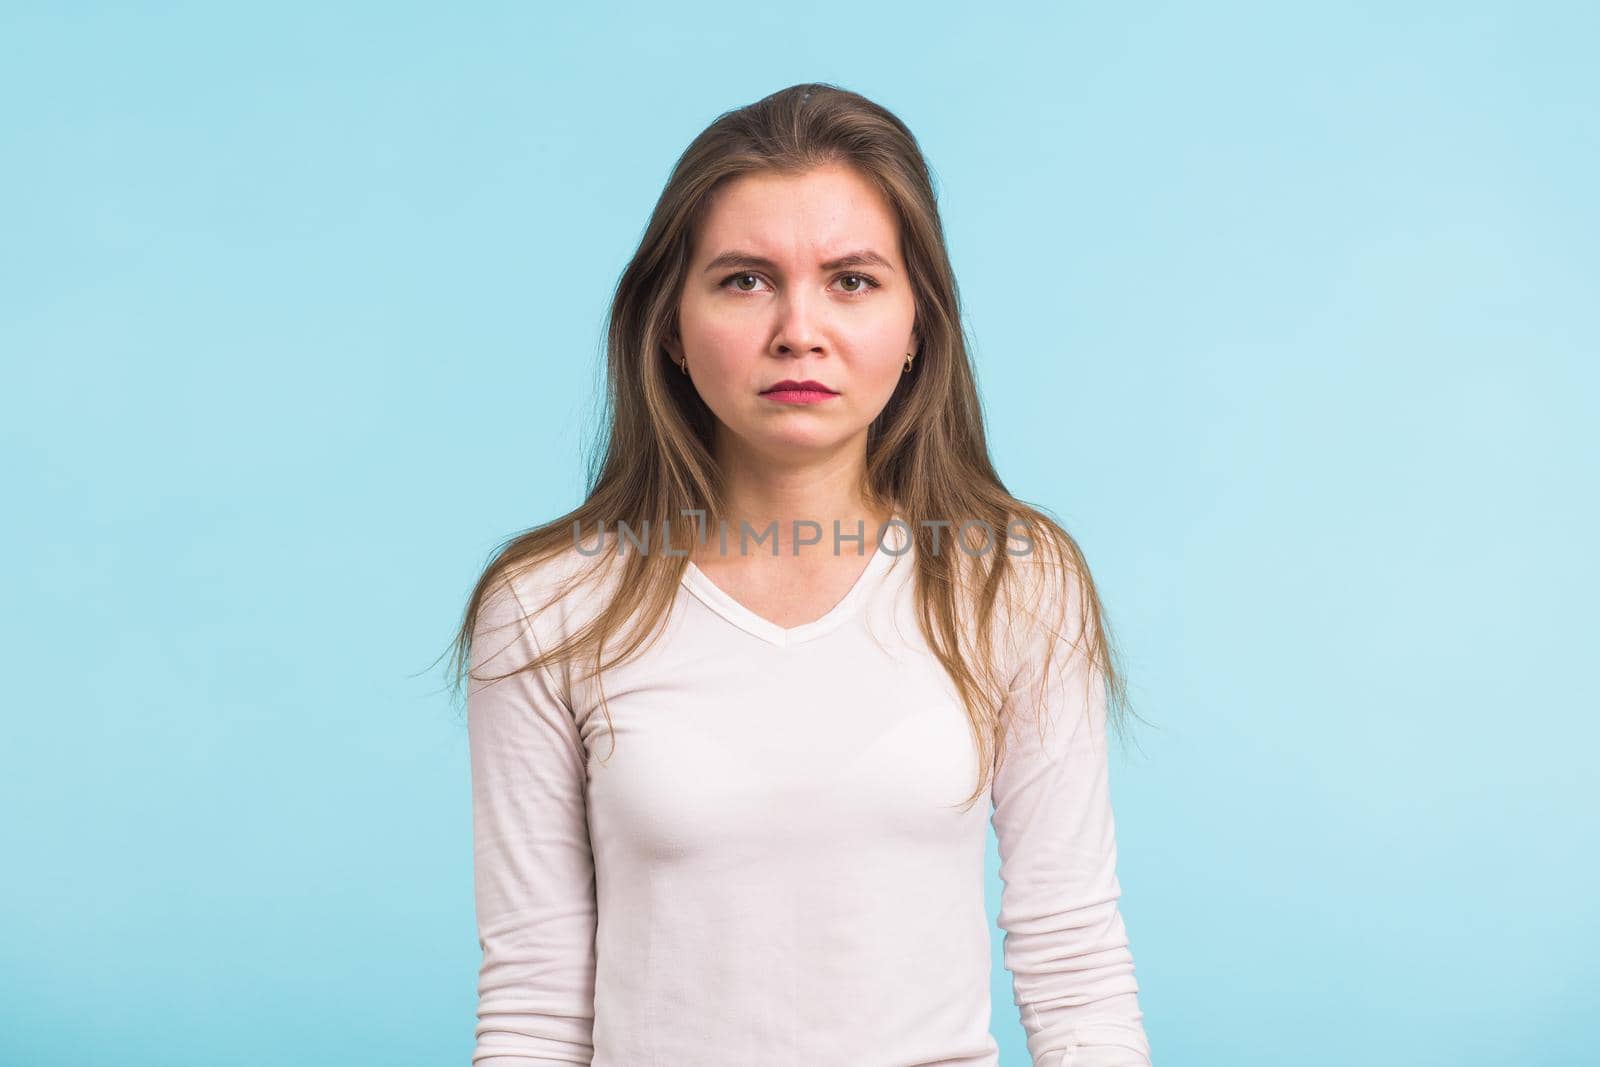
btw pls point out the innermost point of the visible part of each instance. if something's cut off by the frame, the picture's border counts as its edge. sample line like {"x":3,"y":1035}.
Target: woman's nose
{"x":798,"y":328}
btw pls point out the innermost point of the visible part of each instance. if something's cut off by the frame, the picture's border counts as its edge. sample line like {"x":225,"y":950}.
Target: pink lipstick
{"x":789,"y":391}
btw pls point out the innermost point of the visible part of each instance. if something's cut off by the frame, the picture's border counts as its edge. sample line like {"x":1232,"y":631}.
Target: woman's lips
{"x":799,"y":396}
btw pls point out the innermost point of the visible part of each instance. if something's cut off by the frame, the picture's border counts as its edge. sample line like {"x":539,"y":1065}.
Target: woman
{"x":730,"y":717}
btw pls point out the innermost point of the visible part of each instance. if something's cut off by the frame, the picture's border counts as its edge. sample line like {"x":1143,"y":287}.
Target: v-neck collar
{"x":881,"y":559}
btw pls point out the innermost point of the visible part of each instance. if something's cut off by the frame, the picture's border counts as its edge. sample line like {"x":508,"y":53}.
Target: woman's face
{"x":796,"y":278}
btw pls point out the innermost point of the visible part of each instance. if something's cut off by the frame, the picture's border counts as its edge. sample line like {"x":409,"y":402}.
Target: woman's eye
{"x":861,"y":283}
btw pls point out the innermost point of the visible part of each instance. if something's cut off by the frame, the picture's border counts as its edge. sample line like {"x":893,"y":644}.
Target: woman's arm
{"x":534,"y":871}
{"x":1065,"y":943}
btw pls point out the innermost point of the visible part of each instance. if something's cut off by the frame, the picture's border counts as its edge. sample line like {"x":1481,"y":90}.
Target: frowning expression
{"x":796,"y":278}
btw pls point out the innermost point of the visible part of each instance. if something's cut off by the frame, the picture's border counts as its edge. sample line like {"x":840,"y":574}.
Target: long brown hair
{"x":927,"y":456}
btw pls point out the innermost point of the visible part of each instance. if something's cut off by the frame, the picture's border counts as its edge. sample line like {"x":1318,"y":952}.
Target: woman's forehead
{"x":800,"y":220}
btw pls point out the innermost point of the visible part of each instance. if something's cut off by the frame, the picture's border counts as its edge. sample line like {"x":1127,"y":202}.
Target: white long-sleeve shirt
{"x":769,"y":866}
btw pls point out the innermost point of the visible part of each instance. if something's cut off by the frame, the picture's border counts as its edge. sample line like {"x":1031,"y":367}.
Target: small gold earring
{"x":683,"y":364}
{"x":908,"y":364}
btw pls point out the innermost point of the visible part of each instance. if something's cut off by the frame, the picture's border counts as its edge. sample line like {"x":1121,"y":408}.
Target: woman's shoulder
{"x":571,"y":571}
{"x":555,"y":588}
{"x":1044,"y":598}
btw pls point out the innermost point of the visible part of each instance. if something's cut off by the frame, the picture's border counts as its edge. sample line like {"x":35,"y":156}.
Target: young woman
{"x":729,"y":719}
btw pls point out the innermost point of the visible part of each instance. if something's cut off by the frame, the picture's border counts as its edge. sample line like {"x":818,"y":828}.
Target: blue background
{"x":1289,"y":311}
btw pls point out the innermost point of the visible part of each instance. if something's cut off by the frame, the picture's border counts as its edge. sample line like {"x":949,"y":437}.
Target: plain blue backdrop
{"x":1288,"y":311}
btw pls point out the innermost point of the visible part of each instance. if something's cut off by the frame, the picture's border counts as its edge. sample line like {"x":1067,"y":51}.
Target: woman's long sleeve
{"x":1065,"y":942}
{"x":533,"y":866}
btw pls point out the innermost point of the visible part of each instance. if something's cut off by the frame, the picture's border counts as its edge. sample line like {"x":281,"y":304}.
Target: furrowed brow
{"x":864,"y":257}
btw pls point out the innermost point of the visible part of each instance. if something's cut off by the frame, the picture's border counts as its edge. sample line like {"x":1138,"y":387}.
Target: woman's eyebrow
{"x":863,"y":257}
